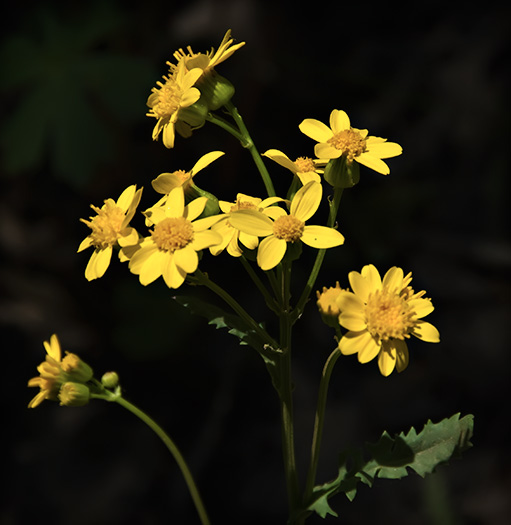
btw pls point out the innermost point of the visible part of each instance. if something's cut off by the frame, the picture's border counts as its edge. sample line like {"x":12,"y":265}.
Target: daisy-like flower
{"x":287,"y":228}
{"x":380,"y":315}
{"x":340,"y":139}
{"x":305,"y":168}
{"x":327,"y":304}
{"x":110,"y":227}
{"x":166,"y":182}
{"x":232,"y":237}
{"x":171,"y":249}
{"x":207,"y":61}
{"x":55,"y":371}
{"x":169,"y":98}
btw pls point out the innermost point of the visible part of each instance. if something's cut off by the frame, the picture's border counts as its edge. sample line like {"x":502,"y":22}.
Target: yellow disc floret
{"x":173,"y":233}
{"x":304,"y":165}
{"x":107,"y":225}
{"x":289,"y":228}
{"x":350,"y":142}
{"x":166,"y":98}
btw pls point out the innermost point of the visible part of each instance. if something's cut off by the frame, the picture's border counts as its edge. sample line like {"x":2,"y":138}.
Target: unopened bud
{"x":74,"y":394}
{"x":110,"y":380}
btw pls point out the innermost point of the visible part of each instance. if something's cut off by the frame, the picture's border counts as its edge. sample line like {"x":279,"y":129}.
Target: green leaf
{"x":217,"y":317}
{"x":436,"y":444}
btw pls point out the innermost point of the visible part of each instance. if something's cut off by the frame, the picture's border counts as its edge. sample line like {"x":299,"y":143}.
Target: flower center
{"x":350,"y":142}
{"x":183,"y":175}
{"x":288,"y":227}
{"x":388,"y":315}
{"x":304,"y":165}
{"x":172,"y":234}
{"x":168,"y":98}
{"x":107,"y":225}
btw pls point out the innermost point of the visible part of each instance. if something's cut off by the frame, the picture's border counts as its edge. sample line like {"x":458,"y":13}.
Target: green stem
{"x":203,"y":279}
{"x":171,"y":446}
{"x":286,"y":394}
{"x":270,"y":301}
{"x":311,"y":281}
{"x":248,"y":143}
{"x":319,"y":422}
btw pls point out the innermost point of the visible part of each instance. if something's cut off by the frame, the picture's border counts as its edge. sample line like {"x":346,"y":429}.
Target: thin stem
{"x":270,"y":301}
{"x":203,"y":279}
{"x":311,"y":281}
{"x":319,"y":422}
{"x":171,"y":446}
{"x":286,"y":395}
{"x":248,"y":143}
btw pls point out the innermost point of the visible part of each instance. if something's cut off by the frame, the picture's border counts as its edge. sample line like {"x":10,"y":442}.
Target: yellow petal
{"x":374,"y":163}
{"x":270,"y":252}
{"x":206,"y":160}
{"x":369,"y":351}
{"x":316,"y":130}
{"x":166,"y":182}
{"x":421,"y":307}
{"x":141,"y":256}
{"x":173,"y":276}
{"x":249,"y":241}
{"x":306,"y":201}
{"x":205,"y":239}
{"x":339,"y":121}
{"x":168,"y":135}
{"x":393,"y":279}
{"x":426,"y":332}
{"x":372,"y":275}
{"x":352,"y":309}
{"x":354,"y":342}
{"x":321,"y":237}
{"x":360,"y":285}
{"x":98,"y":263}
{"x":86,"y":243}
{"x":153,"y":267}
{"x":175,"y":204}
{"x":194,"y":208}
{"x":387,"y":360}
{"x":252,"y":222}
{"x":384,"y":150}
{"x":53,"y":348}
{"x":126,"y":197}
{"x":326,"y":151}
{"x":186,"y":259}
{"x":402,"y":356}
{"x":280,"y":158}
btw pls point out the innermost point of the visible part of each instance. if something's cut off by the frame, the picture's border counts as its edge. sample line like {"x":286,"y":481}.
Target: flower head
{"x":287,"y":228}
{"x":166,"y":182}
{"x":110,"y":227}
{"x":55,"y":371}
{"x":207,"y":61}
{"x":327,"y":304}
{"x":380,"y":315}
{"x":170,"y":97}
{"x":305,"y":168}
{"x":340,"y":139}
{"x":232,"y":237}
{"x":171,"y":249}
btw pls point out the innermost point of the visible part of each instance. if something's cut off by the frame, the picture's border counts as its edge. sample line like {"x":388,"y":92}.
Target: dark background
{"x":431,"y":76}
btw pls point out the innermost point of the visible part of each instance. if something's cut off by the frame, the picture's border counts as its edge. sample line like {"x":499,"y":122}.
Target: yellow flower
{"x":207,"y":61}
{"x":166,"y":182}
{"x":327,"y":304}
{"x":231,"y":237}
{"x":380,"y":315}
{"x":55,"y":371}
{"x":340,"y":139}
{"x":110,"y":227}
{"x":171,"y":249}
{"x":305,"y":168}
{"x":286,"y":228}
{"x":169,"y":98}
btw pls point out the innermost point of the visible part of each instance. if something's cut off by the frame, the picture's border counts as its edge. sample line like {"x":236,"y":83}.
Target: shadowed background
{"x":73,"y":132}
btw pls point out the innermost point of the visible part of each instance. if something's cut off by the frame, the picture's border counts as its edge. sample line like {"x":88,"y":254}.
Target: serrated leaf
{"x":436,"y":444}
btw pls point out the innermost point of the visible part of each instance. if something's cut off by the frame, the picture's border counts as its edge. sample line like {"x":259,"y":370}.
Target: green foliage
{"x":436,"y":444}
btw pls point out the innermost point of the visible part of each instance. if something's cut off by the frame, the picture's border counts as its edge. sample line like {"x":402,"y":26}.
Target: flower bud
{"x":74,"y":394}
{"x":110,"y":380}
{"x":75,"y":369}
{"x":327,"y":305}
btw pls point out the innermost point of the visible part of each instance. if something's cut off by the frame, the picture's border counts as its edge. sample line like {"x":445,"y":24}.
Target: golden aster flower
{"x":166,"y":182}
{"x":380,"y":315}
{"x":305,"y":168}
{"x":207,"y":61}
{"x":110,"y":227}
{"x":55,"y":371}
{"x":169,"y":98}
{"x":287,"y":228}
{"x":231,"y":237}
{"x":171,"y":249}
{"x":340,"y":139}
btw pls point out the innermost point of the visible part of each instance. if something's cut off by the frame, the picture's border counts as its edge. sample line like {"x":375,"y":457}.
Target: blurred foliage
{"x":69,"y":85}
